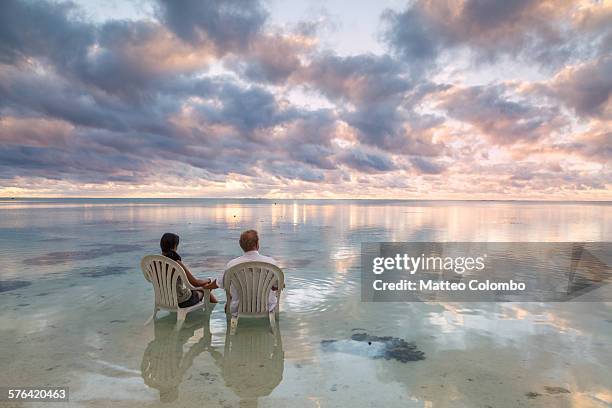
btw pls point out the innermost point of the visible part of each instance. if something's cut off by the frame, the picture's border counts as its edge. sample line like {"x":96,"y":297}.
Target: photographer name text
{"x":458,"y":265}
{"x":424,"y":285}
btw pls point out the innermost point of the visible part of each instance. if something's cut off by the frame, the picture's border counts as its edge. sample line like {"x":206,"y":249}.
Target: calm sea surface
{"x":74,"y":302}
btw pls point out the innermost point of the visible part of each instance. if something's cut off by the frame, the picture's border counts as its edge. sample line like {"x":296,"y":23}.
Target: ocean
{"x":75,"y":300}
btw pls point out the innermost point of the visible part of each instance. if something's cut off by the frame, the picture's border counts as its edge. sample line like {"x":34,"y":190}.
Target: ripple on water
{"x":208,"y":263}
{"x":316,"y":295}
{"x":294,"y":263}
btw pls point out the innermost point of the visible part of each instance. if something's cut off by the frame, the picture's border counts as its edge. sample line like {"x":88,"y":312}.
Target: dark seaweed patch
{"x":556,"y":390}
{"x":100,"y":271}
{"x":394,"y":347}
{"x":53,"y":258}
{"x":7,"y":286}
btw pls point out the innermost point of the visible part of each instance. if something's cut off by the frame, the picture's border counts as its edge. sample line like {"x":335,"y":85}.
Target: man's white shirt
{"x":250,"y":256}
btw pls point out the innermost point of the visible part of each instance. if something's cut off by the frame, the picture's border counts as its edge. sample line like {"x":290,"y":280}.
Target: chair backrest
{"x":253,"y":282}
{"x":163,"y":273}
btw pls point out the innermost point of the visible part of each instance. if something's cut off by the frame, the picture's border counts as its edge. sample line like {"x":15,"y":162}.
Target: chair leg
{"x":277,"y":307}
{"x":150,"y":319}
{"x":207,"y":300}
{"x":233,"y":325}
{"x":272,"y":321}
{"x":180,"y":318}
{"x":206,"y":327}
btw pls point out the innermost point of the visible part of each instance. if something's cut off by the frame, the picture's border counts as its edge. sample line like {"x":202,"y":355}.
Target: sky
{"x":423,"y":99}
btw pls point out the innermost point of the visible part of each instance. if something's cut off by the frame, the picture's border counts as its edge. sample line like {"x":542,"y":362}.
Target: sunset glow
{"x":452,"y":99}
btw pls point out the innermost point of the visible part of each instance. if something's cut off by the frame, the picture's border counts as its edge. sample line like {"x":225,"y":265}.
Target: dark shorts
{"x":193,"y":300}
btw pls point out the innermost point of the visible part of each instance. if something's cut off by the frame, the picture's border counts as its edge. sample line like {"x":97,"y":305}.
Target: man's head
{"x":249,"y":241}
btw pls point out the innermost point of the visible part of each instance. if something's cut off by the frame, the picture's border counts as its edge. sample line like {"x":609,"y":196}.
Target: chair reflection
{"x":165,"y":362}
{"x":253,"y":363}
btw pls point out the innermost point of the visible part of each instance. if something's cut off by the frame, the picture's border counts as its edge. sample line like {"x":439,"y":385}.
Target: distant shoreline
{"x":285,"y":200}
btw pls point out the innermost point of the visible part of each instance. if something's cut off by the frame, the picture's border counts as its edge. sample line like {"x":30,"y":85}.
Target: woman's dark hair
{"x":168,"y":243}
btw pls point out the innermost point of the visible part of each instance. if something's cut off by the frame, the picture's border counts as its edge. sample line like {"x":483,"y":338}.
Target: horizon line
{"x":311,"y":199}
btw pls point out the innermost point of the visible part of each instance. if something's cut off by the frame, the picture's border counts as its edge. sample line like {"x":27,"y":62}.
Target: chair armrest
{"x":188,"y":285}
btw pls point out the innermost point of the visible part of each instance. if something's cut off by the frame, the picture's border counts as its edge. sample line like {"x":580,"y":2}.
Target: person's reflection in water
{"x":253,"y":363}
{"x":164,"y":362}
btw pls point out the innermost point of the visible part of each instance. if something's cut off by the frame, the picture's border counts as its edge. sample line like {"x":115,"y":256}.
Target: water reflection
{"x":165,"y":360}
{"x":253,"y":363}
{"x":50,"y":254}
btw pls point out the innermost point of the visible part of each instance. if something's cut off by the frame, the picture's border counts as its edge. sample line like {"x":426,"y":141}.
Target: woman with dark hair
{"x":186,"y":297}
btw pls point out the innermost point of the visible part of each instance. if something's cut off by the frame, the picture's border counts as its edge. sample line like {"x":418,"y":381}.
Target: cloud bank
{"x":470,"y":99}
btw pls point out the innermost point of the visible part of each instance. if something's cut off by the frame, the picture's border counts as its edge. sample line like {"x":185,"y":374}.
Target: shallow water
{"x":74,"y":303}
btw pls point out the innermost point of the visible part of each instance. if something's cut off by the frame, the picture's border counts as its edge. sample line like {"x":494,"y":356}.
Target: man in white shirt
{"x":249,"y":242}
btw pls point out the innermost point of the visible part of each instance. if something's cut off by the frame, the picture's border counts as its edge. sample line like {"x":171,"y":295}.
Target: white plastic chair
{"x":163,"y":273}
{"x":253,"y":282}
